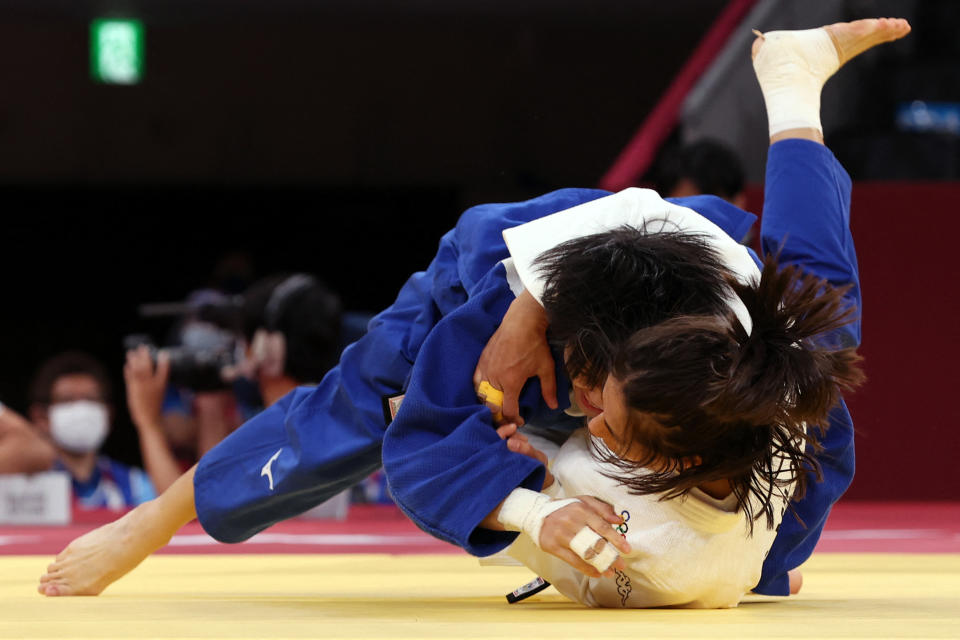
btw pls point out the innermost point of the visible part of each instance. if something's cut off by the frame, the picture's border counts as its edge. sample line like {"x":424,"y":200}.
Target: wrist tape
{"x":525,"y":510}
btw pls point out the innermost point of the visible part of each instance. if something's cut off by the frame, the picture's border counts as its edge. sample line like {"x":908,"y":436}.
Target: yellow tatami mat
{"x":450,"y":596}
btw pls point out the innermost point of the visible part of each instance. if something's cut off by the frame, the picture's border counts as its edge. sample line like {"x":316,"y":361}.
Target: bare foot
{"x":796,"y":581}
{"x":792,"y":67}
{"x":95,"y":560}
{"x":853,"y":38}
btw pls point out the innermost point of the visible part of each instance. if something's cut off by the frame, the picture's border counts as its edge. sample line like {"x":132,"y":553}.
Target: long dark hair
{"x":728,"y":405}
{"x":600,"y":289}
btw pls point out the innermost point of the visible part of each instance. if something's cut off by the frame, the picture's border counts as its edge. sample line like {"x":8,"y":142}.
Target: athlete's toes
{"x":894,"y":28}
{"x":53,"y":589}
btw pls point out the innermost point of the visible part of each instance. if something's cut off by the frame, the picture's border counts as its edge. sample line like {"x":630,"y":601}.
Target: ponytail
{"x":738,"y":406}
{"x":787,"y":369}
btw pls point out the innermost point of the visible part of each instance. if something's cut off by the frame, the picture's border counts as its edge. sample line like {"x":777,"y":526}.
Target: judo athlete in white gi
{"x":448,"y":468}
{"x":697,"y":550}
{"x":694,"y":551}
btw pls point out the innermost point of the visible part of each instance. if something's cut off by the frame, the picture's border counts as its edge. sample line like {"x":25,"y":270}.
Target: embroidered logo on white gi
{"x":267,"y":471}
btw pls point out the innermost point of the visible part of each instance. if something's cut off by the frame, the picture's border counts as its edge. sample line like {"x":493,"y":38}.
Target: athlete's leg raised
{"x":806,"y":222}
{"x":792,"y":66}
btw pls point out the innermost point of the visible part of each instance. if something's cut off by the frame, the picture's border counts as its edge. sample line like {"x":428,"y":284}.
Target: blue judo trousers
{"x":446,"y":466}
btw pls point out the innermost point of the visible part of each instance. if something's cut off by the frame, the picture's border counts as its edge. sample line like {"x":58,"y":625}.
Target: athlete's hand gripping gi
{"x":517,"y":351}
{"x":567,"y":533}
{"x":567,"y":528}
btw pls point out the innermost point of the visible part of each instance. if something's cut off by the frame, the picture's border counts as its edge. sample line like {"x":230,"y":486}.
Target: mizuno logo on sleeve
{"x":267,"y":471}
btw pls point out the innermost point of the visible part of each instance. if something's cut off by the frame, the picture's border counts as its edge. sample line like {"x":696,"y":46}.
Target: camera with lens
{"x":206,"y":346}
{"x":292,"y":324}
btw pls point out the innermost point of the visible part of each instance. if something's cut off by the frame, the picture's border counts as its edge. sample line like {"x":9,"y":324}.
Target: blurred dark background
{"x":343,"y":138}
{"x":337,"y":137}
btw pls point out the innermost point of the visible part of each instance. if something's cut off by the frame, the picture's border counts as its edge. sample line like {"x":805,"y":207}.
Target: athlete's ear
{"x":690,"y":462}
{"x":268,"y":351}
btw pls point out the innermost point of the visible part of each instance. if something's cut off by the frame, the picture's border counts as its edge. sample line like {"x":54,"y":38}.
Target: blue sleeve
{"x":802,"y":525}
{"x":445,"y":464}
{"x":807,"y":219}
{"x":735,"y":222}
{"x":317,"y":441}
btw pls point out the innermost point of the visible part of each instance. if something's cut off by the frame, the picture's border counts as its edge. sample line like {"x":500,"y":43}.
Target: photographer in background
{"x":290,"y":327}
{"x":22,"y":449}
{"x":292,"y":324}
{"x":702,"y":167}
{"x":198,"y":407}
{"x":70,"y":403}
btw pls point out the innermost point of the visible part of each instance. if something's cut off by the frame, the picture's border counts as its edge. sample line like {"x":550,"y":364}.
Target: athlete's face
{"x":607,"y":412}
{"x":609,"y":418}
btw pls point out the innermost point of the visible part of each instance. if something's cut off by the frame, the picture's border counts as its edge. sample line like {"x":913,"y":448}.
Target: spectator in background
{"x":195,"y":420}
{"x":146,"y":388}
{"x":70,"y":401}
{"x":291,"y":325}
{"x":22,"y":449}
{"x":198,"y":411}
{"x":702,"y":167}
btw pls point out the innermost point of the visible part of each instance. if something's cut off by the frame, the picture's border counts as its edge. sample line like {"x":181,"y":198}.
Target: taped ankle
{"x":791,"y":67}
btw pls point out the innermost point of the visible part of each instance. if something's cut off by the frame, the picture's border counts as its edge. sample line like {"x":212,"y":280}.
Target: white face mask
{"x":80,"y":426}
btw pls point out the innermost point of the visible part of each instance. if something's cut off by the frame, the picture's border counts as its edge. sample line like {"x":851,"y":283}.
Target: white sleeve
{"x":634,"y":207}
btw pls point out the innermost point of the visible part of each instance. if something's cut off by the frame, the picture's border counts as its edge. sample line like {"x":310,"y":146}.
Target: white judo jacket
{"x":693,"y":551}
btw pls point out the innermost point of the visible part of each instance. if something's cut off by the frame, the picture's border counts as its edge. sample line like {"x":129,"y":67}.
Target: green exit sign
{"x":116,"y":51}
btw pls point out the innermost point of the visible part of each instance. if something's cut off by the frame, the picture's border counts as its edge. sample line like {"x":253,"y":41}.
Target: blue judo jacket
{"x":446,"y":467}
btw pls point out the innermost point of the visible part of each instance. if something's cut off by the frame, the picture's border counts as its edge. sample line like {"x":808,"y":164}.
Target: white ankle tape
{"x":525,"y":510}
{"x":791,"y":67}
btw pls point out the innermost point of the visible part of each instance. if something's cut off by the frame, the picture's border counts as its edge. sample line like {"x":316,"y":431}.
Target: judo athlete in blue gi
{"x":448,"y":468}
